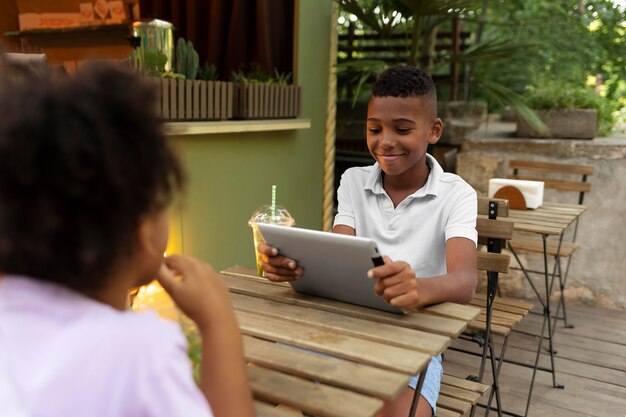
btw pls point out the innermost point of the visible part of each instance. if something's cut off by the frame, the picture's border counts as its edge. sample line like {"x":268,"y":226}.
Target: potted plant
{"x":190,"y":92}
{"x":261,"y":96}
{"x":569,"y":111}
{"x":184,"y":97}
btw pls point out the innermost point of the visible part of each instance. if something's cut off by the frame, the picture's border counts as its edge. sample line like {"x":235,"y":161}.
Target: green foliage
{"x":575,"y":45}
{"x":254,"y":74}
{"x":173,"y":75}
{"x":150,"y":61}
{"x":187,"y":59}
{"x":564,"y":95}
{"x":513,"y":43}
{"x":419,"y":21}
{"x":208,"y":72}
{"x":194,"y":350}
{"x":282,"y":78}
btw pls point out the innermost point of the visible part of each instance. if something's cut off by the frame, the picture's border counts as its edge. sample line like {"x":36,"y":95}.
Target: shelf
{"x":61,"y":31}
{"x":234,"y":126}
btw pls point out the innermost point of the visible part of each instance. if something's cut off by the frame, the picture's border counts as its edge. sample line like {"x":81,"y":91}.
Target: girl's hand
{"x":196,"y":289}
{"x":277,"y":268}
{"x":397,"y":283}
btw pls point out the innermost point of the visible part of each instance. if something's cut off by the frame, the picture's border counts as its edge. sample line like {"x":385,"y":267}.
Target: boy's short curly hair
{"x":406,"y":81}
{"x":82,"y":159}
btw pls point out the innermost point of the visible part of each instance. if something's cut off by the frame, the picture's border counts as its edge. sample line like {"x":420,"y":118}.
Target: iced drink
{"x":270,"y":215}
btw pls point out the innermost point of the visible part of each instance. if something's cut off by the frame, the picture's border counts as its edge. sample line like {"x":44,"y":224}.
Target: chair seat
{"x":458,"y":395}
{"x":535,"y":244}
{"x":506,"y":314}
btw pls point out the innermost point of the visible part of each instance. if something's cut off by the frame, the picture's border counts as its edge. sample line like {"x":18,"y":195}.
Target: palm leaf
{"x":492,"y":50}
{"x":508,"y":97}
{"x":365,"y":13}
{"x":434,"y":7}
{"x":361,"y":71}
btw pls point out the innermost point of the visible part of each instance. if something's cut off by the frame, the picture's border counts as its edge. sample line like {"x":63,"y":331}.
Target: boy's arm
{"x":202,"y":295}
{"x":400,"y":287}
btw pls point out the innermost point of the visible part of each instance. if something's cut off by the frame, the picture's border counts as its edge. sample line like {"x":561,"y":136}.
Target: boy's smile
{"x":399,"y":130}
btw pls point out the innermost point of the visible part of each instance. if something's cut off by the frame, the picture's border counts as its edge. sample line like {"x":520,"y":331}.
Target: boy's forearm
{"x":457,"y":287}
{"x":223,"y":377}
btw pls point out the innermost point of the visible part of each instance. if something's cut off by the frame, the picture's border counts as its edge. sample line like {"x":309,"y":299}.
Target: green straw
{"x":273,"y":202}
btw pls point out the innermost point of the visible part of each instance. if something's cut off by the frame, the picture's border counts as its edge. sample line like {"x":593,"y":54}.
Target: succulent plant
{"x":187,"y":59}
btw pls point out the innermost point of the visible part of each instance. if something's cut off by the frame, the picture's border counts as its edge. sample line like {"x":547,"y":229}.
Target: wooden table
{"x":368,"y":354}
{"x":549,"y":221}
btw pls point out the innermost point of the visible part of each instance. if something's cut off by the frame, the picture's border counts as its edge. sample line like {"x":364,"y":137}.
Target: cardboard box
{"x":54,"y":14}
{"x":28,"y":21}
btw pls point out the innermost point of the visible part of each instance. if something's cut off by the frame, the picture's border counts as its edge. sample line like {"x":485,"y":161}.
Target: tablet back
{"x":335,"y":266}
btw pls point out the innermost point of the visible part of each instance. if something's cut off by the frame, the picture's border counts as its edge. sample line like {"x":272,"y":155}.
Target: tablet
{"x":334,"y":265}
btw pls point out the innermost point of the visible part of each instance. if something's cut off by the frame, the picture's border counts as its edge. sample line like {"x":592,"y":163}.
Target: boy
{"x":86,"y":178}
{"x":422,"y":218}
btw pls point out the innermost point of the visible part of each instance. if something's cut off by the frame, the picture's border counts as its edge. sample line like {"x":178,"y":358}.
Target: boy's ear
{"x":436,"y":129}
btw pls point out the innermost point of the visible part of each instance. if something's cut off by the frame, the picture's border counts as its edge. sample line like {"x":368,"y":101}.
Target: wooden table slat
{"x":459,"y":393}
{"x":516,"y":318}
{"x":453,"y":404}
{"x":464,"y":383}
{"x":453,"y":310}
{"x":546,"y":216}
{"x":507,"y":301}
{"x":495,"y":329}
{"x":372,"y":353}
{"x":420,"y":321}
{"x":555,"y":222}
{"x":497,"y":321}
{"x":262,"y":409}
{"x":500,"y":307}
{"x":311,"y":397}
{"x":442,"y":412}
{"x":329,"y":370}
{"x":386,"y":333}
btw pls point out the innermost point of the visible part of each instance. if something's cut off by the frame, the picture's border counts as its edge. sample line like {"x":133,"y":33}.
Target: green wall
{"x":230,"y":175}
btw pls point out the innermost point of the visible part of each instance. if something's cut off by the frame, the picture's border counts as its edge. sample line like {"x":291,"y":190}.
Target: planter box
{"x":267,"y":101}
{"x":460,"y":119}
{"x":563,"y":124}
{"x":196,"y":100}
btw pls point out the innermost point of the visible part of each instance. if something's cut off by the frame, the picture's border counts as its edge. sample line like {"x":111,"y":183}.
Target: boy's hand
{"x":275,"y":267}
{"x":196,"y":289}
{"x":397,"y":283}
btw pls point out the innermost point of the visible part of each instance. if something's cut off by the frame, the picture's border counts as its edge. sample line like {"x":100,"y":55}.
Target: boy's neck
{"x":399,"y":187}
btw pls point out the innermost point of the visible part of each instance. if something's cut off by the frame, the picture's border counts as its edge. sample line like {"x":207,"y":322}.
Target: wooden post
{"x":454,"y":66}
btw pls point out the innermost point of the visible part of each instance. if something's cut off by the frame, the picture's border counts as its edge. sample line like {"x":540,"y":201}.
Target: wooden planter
{"x":196,"y":100}
{"x":267,"y":101}
{"x":563,"y":124}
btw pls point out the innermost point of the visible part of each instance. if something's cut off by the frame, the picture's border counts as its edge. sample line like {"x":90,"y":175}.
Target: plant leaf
{"x":508,"y":97}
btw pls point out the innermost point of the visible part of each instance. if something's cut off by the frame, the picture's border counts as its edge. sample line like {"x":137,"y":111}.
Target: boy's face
{"x":399,"y":130}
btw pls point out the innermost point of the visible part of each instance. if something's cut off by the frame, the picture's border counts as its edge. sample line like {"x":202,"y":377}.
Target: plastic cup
{"x":268,"y":215}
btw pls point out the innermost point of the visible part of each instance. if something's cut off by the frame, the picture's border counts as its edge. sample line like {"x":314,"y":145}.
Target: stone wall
{"x":597,"y":273}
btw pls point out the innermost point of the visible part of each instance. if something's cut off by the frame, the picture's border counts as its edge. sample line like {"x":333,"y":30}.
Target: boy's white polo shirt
{"x":416,"y":230}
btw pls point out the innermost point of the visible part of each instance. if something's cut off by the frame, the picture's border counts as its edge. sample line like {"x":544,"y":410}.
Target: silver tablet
{"x":335,"y":266}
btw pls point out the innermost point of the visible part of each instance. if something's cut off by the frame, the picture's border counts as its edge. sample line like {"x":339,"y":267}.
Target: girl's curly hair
{"x":82,"y":159}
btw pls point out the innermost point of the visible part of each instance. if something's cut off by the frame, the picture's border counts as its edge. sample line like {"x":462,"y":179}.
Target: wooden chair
{"x":571,"y":178}
{"x":457,"y":396}
{"x":499,"y":316}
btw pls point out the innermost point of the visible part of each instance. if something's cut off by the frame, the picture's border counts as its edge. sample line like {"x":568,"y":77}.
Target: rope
{"x":329,"y":138}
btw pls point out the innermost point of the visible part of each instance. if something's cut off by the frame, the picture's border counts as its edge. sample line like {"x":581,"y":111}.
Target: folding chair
{"x":494,"y":234}
{"x":570,"y":178}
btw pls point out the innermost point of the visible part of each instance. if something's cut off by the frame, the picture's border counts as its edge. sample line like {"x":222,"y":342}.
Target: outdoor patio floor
{"x":590,"y":362}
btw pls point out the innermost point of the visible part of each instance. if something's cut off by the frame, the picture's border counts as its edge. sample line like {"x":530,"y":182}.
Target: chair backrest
{"x":541,"y":171}
{"x":494,"y":234}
